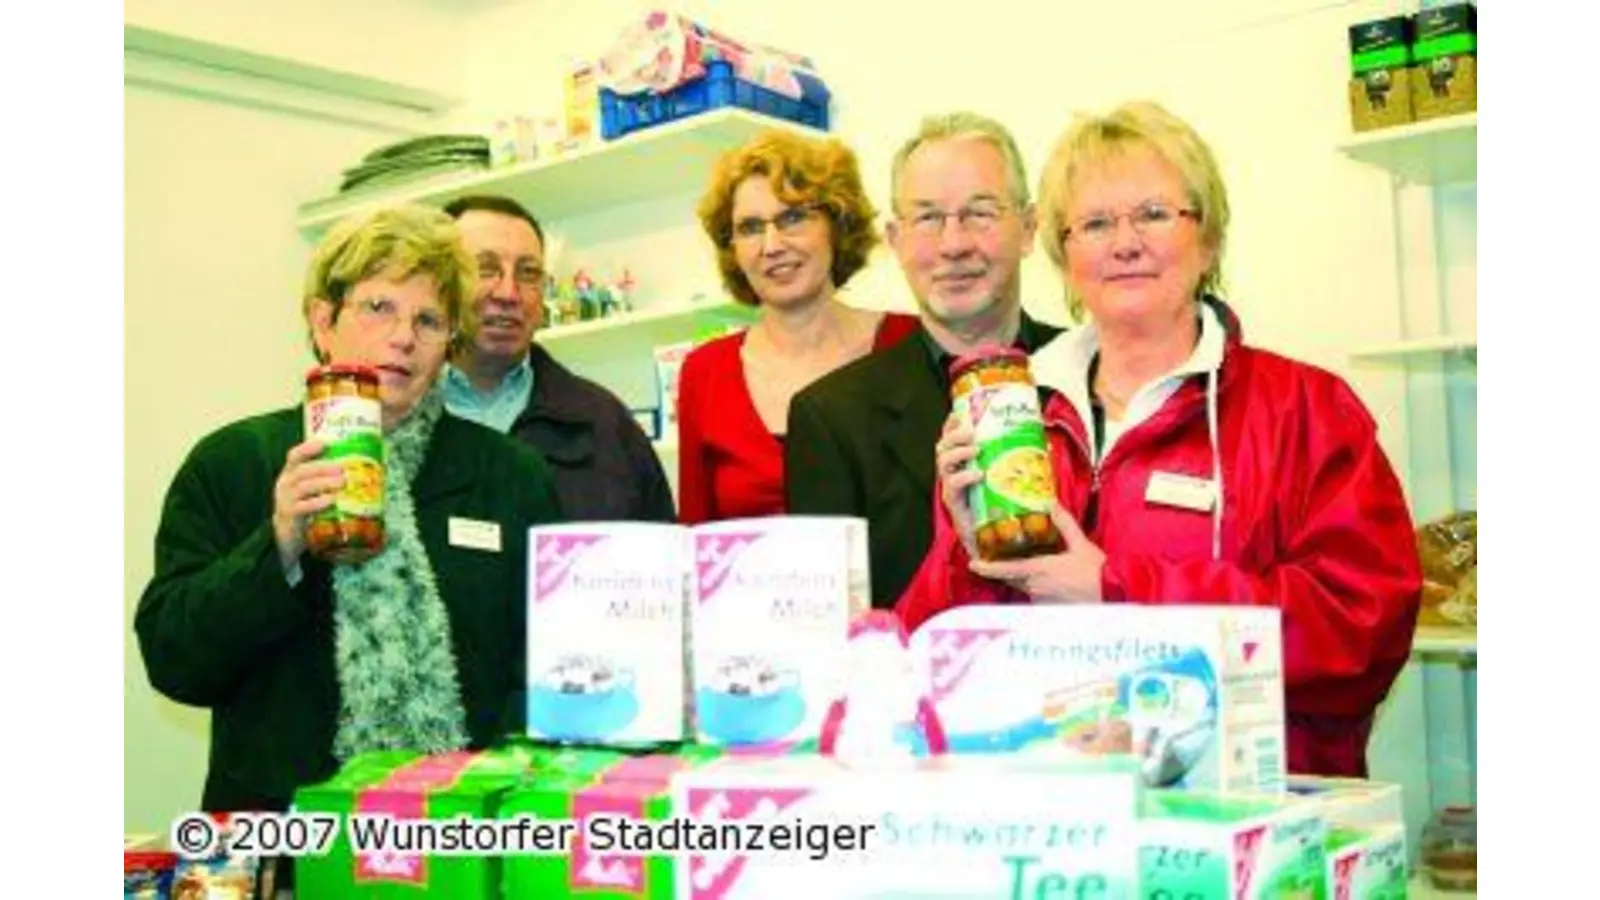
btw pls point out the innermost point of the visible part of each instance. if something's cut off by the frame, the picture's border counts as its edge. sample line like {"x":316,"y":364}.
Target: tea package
{"x":1445,"y":79}
{"x":408,"y":786}
{"x":1381,"y":74}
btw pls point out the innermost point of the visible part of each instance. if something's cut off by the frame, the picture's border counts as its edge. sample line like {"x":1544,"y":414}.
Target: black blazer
{"x":860,"y":443}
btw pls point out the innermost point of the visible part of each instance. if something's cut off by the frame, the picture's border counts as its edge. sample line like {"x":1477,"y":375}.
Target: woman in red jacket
{"x":791,"y":224}
{"x":1191,"y":468}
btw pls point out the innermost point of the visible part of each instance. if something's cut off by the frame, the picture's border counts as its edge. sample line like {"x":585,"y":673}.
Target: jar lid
{"x":148,"y":860}
{"x":342,"y":370}
{"x":990,"y":354}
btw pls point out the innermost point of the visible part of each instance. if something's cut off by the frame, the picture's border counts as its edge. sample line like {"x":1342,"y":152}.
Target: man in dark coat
{"x":606,"y":469}
{"x":860,"y":440}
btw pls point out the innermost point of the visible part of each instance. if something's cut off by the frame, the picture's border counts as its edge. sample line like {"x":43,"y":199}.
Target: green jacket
{"x":219,"y":626}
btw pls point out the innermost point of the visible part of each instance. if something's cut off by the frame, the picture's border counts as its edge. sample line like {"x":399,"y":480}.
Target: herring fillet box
{"x":1059,"y":830}
{"x":770,"y":615}
{"x":605,"y":632}
{"x":1194,"y":692}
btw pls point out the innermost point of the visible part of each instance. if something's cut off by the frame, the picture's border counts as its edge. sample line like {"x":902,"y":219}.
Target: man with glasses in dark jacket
{"x":606,"y":469}
{"x":860,"y":439}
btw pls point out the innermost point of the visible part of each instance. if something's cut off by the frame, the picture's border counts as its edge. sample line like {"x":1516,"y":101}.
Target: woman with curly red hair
{"x":791,"y":224}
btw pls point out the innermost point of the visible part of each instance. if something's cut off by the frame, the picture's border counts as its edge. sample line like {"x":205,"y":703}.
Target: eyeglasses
{"x":526,"y":274}
{"x":1153,"y":219}
{"x":791,"y":220}
{"x":974,"y":218}
{"x":382,"y":314}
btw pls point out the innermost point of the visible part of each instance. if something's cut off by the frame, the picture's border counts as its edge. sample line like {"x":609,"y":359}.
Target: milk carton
{"x":1203,"y":845}
{"x":951,"y":828}
{"x":1194,"y":692}
{"x":770,"y":619}
{"x":605,"y":632}
{"x":1367,"y":863}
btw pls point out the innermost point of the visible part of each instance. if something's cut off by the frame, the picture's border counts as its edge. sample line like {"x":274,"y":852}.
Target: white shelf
{"x":669,"y":159}
{"x":635,"y":335}
{"x":1438,"y":151}
{"x":1436,"y":640}
{"x":665,"y":448}
{"x":1399,"y":351}
{"x":668,"y":318}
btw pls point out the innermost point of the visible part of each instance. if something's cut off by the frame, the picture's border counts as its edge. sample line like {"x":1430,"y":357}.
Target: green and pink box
{"x":550,"y":784}
{"x":409,"y":786}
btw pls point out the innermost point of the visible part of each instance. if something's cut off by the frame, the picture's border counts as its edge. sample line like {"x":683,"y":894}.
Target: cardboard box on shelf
{"x":1380,"y":82}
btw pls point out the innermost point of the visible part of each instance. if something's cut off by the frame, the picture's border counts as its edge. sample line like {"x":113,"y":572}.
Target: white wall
{"x":213,"y":271}
{"x":406,"y":41}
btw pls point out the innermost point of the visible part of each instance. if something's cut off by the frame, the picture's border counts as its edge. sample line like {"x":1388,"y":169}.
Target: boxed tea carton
{"x":1445,"y":79}
{"x":1367,"y":863}
{"x":1381,"y":74}
{"x":605,"y":632}
{"x":1195,"y":693}
{"x":770,"y":621}
{"x":381,"y":796}
{"x":1352,"y":802}
{"x":1198,"y":844}
{"x":602,"y":795}
{"x":943,"y":828}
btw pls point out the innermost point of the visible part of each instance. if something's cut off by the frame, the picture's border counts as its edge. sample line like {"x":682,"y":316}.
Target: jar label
{"x":1012,"y":453}
{"x":351,"y":429}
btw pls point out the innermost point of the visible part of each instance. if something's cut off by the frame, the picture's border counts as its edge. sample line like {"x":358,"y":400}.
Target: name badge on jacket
{"x":1181,"y":491}
{"x":475,"y":535}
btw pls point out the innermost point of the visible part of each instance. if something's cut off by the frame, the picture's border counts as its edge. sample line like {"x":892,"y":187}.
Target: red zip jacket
{"x":1312,"y":521}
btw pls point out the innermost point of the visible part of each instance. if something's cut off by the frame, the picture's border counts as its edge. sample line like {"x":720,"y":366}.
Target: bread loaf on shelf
{"x":1449,"y":551}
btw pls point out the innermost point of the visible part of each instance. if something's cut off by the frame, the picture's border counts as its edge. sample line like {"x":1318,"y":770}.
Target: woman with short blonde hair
{"x":305,"y":663}
{"x":1190,"y":467}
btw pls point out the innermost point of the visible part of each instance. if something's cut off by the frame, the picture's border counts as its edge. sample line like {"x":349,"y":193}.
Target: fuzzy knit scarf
{"x":397,"y":673}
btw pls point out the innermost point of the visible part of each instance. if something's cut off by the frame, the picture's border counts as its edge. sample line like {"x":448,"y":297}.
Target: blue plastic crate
{"x":717,"y":88}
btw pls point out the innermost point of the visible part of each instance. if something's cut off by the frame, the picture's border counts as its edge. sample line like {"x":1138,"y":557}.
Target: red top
{"x":1314,"y":522}
{"x":729,"y":465}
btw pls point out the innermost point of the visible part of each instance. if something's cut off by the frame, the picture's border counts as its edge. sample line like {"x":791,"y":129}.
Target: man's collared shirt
{"x":497,"y":408}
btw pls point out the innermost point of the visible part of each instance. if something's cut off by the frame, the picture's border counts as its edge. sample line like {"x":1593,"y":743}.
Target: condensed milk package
{"x":606,"y":632}
{"x":1195,"y":693}
{"x":770,"y":617}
